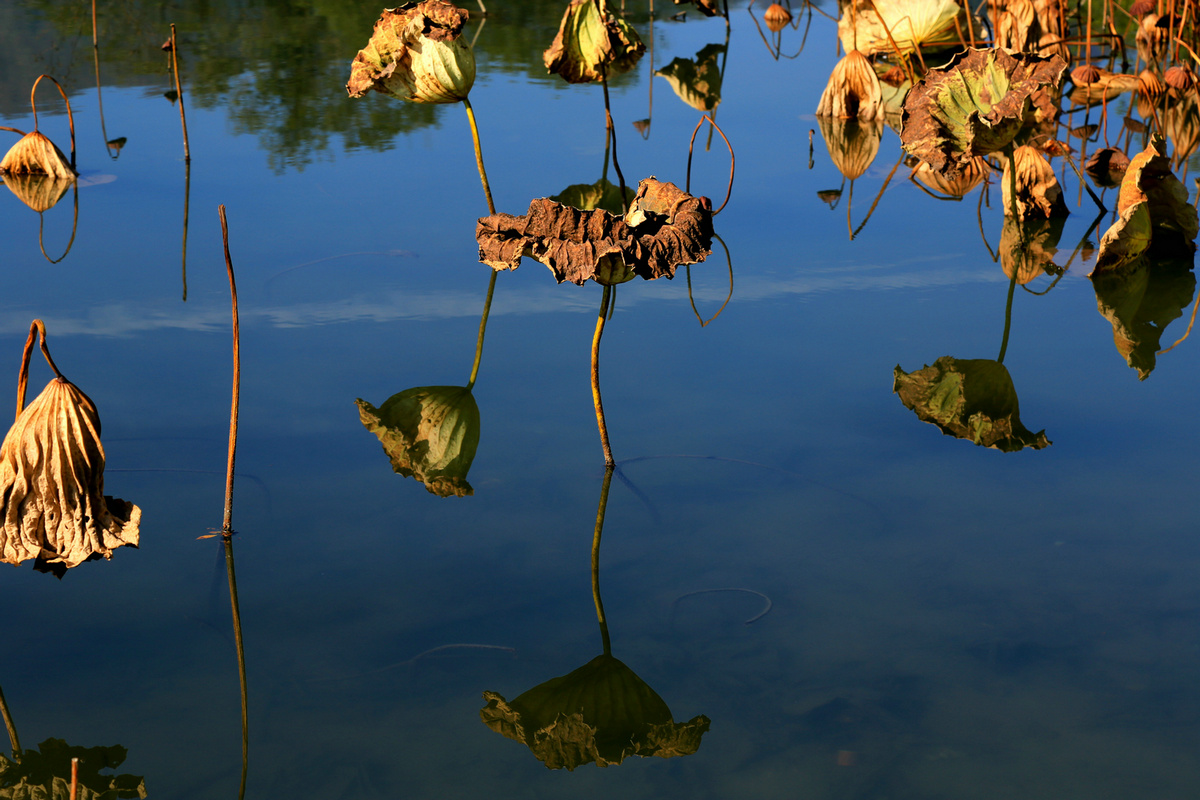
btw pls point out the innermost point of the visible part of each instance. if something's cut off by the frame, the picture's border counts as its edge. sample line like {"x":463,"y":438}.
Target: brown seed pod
{"x":1143,"y":7}
{"x":1149,"y":84}
{"x":1085,"y":74}
{"x":1180,"y":77}
{"x":776,"y":17}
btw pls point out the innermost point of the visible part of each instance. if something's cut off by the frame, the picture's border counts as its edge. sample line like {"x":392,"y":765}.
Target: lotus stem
{"x":603,"y":426}
{"x":187,"y":153}
{"x":1186,"y":334}
{"x":187,"y":194}
{"x":74,"y":227}
{"x":729,"y":261}
{"x":12,"y":728}
{"x":487,"y":307}
{"x":74,"y":778}
{"x":227,"y":524}
{"x":732,"y":162}
{"x":1010,"y":151}
{"x":241,"y":659}
{"x":36,"y":328}
{"x":1012,"y":285}
{"x":487,"y":189}
{"x":70,"y":115}
{"x":612,"y":133}
{"x":604,"y":487}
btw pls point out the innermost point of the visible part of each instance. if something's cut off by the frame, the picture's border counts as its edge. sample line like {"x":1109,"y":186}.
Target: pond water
{"x":941,"y":619}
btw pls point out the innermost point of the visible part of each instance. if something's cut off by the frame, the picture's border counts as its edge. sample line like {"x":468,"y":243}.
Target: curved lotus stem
{"x":604,"y":301}
{"x":227,"y":525}
{"x":732,"y":162}
{"x":1012,"y":285}
{"x":487,"y":190}
{"x":74,"y":227}
{"x":36,"y":328}
{"x":871,"y":210}
{"x":612,"y":132}
{"x":70,"y":115}
{"x":12,"y":728}
{"x":487,"y":306}
{"x":604,"y":638}
{"x":728,"y":260}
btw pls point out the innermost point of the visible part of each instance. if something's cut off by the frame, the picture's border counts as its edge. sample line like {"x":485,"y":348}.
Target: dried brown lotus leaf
{"x":592,"y":43}
{"x":958,"y":185}
{"x":853,"y":90}
{"x":1107,"y":166}
{"x":35,"y":154}
{"x":52,"y":480}
{"x":1038,"y":192}
{"x":1106,"y":87}
{"x":664,"y":228}
{"x":852,"y":145}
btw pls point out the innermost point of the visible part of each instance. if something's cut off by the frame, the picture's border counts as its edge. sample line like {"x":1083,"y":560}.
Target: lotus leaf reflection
{"x":1038,"y":192}
{"x":1027,"y":249}
{"x":52,"y":480}
{"x":590,"y":196}
{"x":664,"y":228}
{"x":976,"y":105}
{"x":416,"y":53}
{"x":852,"y":144}
{"x":1140,"y":302}
{"x":39,"y":192}
{"x":430,"y":433}
{"x":696,"y":82}
{"x":592,"y":43}
{"x":45,"y":774}
{"x":602,"y":712}
{"x":971,"y":399}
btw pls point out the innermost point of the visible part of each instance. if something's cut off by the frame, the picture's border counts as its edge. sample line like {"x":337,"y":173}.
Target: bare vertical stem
{"x":12,"y":728}
{"x":604,"y":487}
{"x":600,"y":422}
{"x":227,"y":525}
{"x":487,"y":190}
{"x":187,"y":152}
{"x":187,"y":194}
{"x":74,"y":778}
{"x":612,"y":133}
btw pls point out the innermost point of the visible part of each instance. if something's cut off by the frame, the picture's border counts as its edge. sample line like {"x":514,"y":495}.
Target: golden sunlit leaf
{"x":35,"y":154}
{"x":853,"y":90}
{"x":593,"y":41}
{"x":1038,"y":192}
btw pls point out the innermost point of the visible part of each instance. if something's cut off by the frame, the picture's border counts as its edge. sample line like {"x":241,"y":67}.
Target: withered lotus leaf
{"x":975,"y":105}
{"x":1038,"y":192}
{"x":696,"y":82}
{"x":852,"y":144}
{"x":429,"y":433}
{"x":912,"y":24}
{"x":958,"y":185}
{"x":416,"y":53}
{"x":1141,"y":302}
{"x":853,"y":90}
{"x":45,"y":774}
{"x":52,"y":483}
{"x":664,"y":228}
{"x":35,"y":154}
{"x":39,"y":192}
{"x":1027,"y":249}
{"x":972,"y":399}
{"x":602,"y":712}
{"x":592,"y":42}
{"x":1107,"y":166}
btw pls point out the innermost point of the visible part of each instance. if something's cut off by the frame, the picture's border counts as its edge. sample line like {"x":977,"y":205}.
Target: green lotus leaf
{"x":46,"y":773}
{"x":592,"y":42}
{"x":664,"y":228}
{"x":416,"y":53}
{"x":602,"y":712}
{"x":975,"y":105}
{"x":430,"y":433}
{"x":590,"y":196}
{"x":971,"y":399}
{"x":697,"y":82}
{"x":1140,"y":302}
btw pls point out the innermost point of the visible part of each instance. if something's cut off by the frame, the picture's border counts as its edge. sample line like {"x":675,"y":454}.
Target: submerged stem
{"x":608,"y":456}
{"x":487,"y":189}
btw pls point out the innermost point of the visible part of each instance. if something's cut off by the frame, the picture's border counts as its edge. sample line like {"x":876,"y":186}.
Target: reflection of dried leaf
{"x":975,"y":105}
{"x":39,"y":192}
{"x":852,"y":144}
{"x":853,"y":90}
{"x":1153,"y":209}
{"x":35,"y":154}
{"x":777,"y":17}
{"x":1140,"y":302}
{"x":697,"y":82}
{"x":665,"y":227}
{"x":971,"y":399}
{"x":957,"y":185}
{"x":430,"y":433}
{"x":1038,"y":192}
{"x":602,"y":712}
{"x":45,"y":774}
{"x":1107,"y":86}
{"x":1027,"y":249}
{"x":1107,"y":166}
{"x":592,"y":42}
{"x":589,"y":196}
{"x":416,"y":53}
{"x":52,"y":480}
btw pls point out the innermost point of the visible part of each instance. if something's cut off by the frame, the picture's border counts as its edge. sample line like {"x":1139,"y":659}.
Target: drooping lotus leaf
{"x":1107,"y":167}
{"x":958,"y":185}
{"x":1140,"y":302}
{"x":1153,"y":211}
{"x":971,"y":399}
{"x":853,"y":90}
{"x":39,"y":192}
{"x":697,"y":82}
{"x":416,"y":53}
{"x":925,"y":24}
{"x":602,"y":712}
{"x":665,"y":228}
{"x":45,"y":774}
{"x":35,"y":154}
{"x":1027,"y":249}
{"x":430,"y":433}
{"x":1038,"y":192}
{"x":590,"y":196}
{"x":593,"y":41}
{"x":852,"y":144}
{"x":52,"y":484}
{"x":776,"y":17}
{"x":975,"y":105}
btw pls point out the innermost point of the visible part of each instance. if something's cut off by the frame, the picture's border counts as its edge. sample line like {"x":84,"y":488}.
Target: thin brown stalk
{"x":871,"y":210}
{"x":187,"y":152}
{"x":74,"y":778}
{"x":1186,"y":333}
{"x":612,"y":134}
{"x":227,"y":525}
{"x":37,"y":328}
{"x":600,"y":422}
{"x":732,"y":161}
{"x":70,"y":115}
{"x":12,"y":728}
{"x":596,"y":534}
{"x":241,"y":659}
